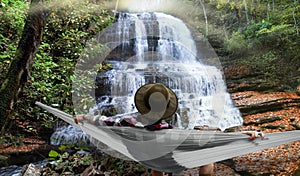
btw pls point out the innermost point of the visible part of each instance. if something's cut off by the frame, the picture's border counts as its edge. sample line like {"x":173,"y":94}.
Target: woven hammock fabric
{"x":173,"y":150}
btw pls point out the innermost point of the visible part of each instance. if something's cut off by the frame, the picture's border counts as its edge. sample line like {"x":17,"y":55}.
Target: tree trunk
{"x":268,"y":11}
{"x":246,"y":11}
{"x":19,"y":69}
{"x":205,"y":17}
{"x":294,"y":17}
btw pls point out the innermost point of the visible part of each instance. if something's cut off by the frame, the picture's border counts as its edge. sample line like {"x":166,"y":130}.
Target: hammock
{"x":173,"y":150}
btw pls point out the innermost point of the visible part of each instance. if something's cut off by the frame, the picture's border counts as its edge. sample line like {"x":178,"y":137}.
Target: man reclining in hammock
{"x":156,"y":104}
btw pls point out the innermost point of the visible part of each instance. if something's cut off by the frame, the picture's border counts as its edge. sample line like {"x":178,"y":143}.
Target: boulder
{"x":31,"y":170}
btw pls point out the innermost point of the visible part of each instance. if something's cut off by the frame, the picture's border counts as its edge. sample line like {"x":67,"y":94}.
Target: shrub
{"x":237,"y":44}
{"x":12,"y":19}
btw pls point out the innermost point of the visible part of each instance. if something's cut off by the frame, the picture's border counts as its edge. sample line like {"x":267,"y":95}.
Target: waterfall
{"x":153,"y":48}
{"x":159,"y":48}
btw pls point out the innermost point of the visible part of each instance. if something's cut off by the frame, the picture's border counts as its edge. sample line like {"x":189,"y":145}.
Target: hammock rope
{"x":173,"y":150}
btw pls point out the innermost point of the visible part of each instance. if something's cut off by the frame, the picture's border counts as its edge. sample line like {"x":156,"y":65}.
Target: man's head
{"x":154,"y":99}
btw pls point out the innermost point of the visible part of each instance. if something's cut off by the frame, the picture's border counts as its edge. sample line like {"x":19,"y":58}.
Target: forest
{"x":257,"y":42}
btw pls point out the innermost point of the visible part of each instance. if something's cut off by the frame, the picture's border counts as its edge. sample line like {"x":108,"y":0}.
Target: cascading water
{"x":155,"y":47}
{"x":158,"y":48}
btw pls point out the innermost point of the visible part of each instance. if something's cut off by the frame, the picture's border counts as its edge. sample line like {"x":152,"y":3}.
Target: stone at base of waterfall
{"x":31,"y":170}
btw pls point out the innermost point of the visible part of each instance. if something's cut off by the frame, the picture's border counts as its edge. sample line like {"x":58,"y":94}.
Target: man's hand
{"x":80,"y":118}
{"x":254,"y":134}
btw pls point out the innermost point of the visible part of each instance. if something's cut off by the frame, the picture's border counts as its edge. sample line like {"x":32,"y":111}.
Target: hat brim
{"x":140,"y":104}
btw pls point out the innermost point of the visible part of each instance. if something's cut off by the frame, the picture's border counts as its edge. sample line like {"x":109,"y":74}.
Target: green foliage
{"x":268,"y":23}
{"x":77,"y":146}
{"x":104,"y":67}
{"x":254,"y":27}
{"x":258,"y":28}
{"x":51,"y":78}
{"x":266,"y":62}
{"x":62,"y":154}
{"x":53,"y":155}
{"x":84,"y":77}
{"x":69,"y":27}
{"x":12,"y":15}
{"x":66,"y":162}
{"x":9,"y":139}
{"x":237,"y":44}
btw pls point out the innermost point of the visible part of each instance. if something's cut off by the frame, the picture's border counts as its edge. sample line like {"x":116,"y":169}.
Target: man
{"x":156,"y":103}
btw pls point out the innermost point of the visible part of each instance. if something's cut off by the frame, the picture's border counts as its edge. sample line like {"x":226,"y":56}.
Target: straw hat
{"x":154,"y":99}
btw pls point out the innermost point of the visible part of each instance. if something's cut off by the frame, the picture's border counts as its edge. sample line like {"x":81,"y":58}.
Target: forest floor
{"x":280,"y":160}
{"x":278,"y":111}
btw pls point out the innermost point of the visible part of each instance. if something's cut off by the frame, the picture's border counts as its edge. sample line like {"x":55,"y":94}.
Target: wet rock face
{"x":247,"y":74}
{"x":159,"y":48}
{"x":240,"y":77}
{"x":276,"y":110}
